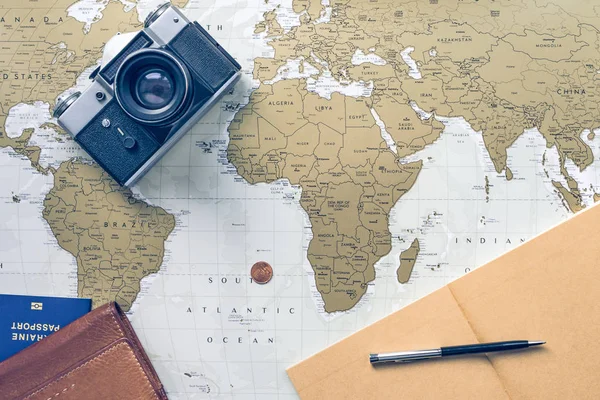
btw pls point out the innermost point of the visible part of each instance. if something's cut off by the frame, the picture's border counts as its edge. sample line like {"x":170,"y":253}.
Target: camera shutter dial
{"x":153,"y":16}
{"x":62,"y":105}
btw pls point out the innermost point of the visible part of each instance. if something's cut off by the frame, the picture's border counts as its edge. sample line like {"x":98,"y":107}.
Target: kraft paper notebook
{"x":546,"y":289}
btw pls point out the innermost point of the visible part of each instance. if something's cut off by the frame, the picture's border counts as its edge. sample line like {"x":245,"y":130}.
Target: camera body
{"x":148,"y":95}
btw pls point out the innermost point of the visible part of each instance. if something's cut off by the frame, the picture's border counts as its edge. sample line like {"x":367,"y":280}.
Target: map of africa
{"x":373,"y":152}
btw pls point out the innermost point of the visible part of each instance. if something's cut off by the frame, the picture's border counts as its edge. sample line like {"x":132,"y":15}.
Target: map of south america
{"x":44,"y":51}
{"x":116,"y":239}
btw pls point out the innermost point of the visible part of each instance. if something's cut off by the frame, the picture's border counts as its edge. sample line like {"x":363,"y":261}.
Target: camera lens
{"x":154,"y":88}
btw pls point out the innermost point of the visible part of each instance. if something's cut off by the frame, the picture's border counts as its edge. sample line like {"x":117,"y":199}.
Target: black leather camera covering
{"x":203,"y":55}
{"x":109,"y":71}
{"x":108,"y":147}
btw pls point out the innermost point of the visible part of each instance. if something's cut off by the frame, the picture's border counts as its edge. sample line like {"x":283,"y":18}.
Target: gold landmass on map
{"x":350,"y":179}
{"x":179,"y":3}
{"x":547,"y":47}
{"x":312,"y":7}
{"x":115,"y":238}
{"x":505,"y":67}
{"x":458,"y":41}
{"x":269,"y":24}
{"x":44,"y":51}
{"x":409,"y":131}
{"x":572,"y":198}
{"x":408,"y":258}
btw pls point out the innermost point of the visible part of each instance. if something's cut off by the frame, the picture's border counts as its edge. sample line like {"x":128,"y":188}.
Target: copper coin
{"x":261,"y":272}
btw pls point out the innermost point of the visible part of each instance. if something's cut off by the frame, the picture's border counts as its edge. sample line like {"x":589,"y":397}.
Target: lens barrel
{"x":153,"y":87}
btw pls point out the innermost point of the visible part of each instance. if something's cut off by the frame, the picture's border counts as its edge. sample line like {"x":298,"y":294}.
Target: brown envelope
{"x":546,"y":289}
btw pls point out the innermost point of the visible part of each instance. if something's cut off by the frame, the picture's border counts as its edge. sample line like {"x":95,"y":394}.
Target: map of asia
{"x":372,"y":152}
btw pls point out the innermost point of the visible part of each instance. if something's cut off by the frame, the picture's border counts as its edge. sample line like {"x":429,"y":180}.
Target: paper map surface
{"x":373,"y":152}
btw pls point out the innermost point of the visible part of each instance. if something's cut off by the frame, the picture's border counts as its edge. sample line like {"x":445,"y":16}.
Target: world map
{"x":373,"y":152}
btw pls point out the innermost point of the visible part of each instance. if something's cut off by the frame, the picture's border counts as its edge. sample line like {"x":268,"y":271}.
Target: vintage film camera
{"x":146,"y":97}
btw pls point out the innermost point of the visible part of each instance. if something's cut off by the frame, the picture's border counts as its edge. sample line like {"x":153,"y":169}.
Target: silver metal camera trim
{"x":77,"y":115}
{"x":183,"y":130}
{"x":167,"y":26}
{"x":155,"y":14}
{"x":62,"y":106}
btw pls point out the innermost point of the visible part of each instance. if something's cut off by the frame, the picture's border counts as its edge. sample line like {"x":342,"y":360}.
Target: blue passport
{"x":25,"y":320}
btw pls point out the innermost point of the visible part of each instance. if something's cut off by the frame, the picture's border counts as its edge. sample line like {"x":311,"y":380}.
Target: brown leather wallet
{"x":96,"y":357}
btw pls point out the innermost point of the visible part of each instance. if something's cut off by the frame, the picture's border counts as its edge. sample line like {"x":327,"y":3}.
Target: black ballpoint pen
{"x":415,"y":355}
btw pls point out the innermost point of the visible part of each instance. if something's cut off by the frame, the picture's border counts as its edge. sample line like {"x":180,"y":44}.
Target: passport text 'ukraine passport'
{"x":25,"y":320}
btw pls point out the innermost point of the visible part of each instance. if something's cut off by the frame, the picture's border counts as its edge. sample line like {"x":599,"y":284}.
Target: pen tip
{"x":536,"y":342}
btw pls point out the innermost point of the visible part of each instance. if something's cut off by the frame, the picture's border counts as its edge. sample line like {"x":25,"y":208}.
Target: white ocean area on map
{"x":56,"y":147}
{"x":389,"y":141}
{"x":286,"y":17}
{"x":291,"y":70}
{"x":210,"y":331}
{"x":412,"y":64}
{"x":32,"y":261}
{"x":359,"y":58}
{"x":87,"y":11}
{"x":458,"y":228}
{"x":26,"y":116}
{"x":325,"y":15}
{"x":325,"y":85}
